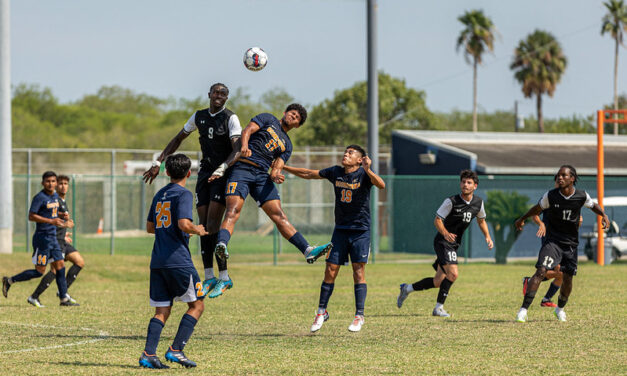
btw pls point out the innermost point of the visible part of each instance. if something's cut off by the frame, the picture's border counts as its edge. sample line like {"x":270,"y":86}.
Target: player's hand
{"x":68,"y":238}
{"x":488,"y":240}
{"x":519,"y":224}
{"x":64,"y":215}
{"x":69,"y":223}
{"x":218,"y":173}
{"x":201,"y":230}
{"x":278,"y":178}
{"x":245,"y":151}
{"x":58,"y":222}
{"x":366,"y":162}
{"x":541,"y":230}
{"x":605,"y":221}
{"x":450,"y":237}
{"x":151,"y":174}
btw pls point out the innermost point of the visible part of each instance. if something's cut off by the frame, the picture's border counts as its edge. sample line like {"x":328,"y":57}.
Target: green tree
{"x":343,"y":119}
{"x":538,"y":65}
{"x":476,"y":38}
{"x":503,"y":209}
{"x":615,"y":23}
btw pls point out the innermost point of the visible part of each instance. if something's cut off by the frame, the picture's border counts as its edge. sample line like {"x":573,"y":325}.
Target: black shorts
{"x":207,"y":192}
{"x":553,"y":254}
{"x":446,"y":252}
{"x":67,"y":248}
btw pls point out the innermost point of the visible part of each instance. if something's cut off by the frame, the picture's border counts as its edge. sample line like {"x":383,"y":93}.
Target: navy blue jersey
{"x":47,"y":206}
{"x":269,"y":142}
{"x":352,"y":197}
{"x":171,"y":248}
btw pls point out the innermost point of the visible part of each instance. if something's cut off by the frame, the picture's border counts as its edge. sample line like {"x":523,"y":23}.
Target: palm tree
{"x":476,"y":37}
{"x":615,"y":23}
{"x":538,"y":65}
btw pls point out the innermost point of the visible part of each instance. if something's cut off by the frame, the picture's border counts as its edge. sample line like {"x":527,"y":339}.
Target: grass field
{"x":261,"y":326}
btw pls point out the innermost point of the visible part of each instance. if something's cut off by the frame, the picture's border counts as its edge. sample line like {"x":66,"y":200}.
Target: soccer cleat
{"x":221,"y":251}
{"x":178,"y":357}
{"x":525,"y":284}
{"x":522,"y":315}
{"x":68,"y":303}
{"x":151,"y":361}
{"x":560,"y":314}
{"x":319,"y":320}
{"x":5,"y":286}
{"x":67,"y":296}
{"x":355,"y":326}
{"x":35,"y":302}
{"x":402,"y":295}
{"x":318,"y":252}
{"x":208,"y":285}
{"x":547,"y":303}
{"x":220,"y":287}
{"x":440,"y":312}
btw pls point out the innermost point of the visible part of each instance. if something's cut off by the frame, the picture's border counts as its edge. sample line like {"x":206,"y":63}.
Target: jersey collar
{"x":214,"y":115}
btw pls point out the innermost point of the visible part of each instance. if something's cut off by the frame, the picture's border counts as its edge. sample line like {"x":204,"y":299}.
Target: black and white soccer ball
{"x":255,"y":59}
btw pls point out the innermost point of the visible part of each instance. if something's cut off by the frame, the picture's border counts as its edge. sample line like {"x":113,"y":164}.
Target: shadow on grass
{"x":91,"y":364}
{"x":399,"y":315}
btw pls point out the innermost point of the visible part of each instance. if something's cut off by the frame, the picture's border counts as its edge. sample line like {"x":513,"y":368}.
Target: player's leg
{"x":335,"y":258}
{"x":361,"y":290}
{"x":569,"y":270}
{"x":40,"y":258}
{"x":556,"y":275}
{"x":214,"y":217}
{"x":59,"y":267}
{"x":78,"y":263}
{"x":548,"y":259}
{"x":161,"y":300}
{"x":234,"y":205}
{"x":451,"y":273}
{"x":424,"y":284}
{"x":207,"y":246}
{"x":43,"y":285}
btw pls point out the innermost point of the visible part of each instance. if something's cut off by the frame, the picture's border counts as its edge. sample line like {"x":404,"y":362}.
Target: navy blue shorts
{"x":446,"y":252}
{"x":355,"y":243}
{"x":245,"y":179}
{"x":169,"y":284}
{"x":46,"y":247}
{"x":207,"y":192}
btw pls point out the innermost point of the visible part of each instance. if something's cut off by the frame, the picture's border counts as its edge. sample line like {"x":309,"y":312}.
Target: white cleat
{"x":355,"y":326}
{"x":402,"y":296}
{"x":522,"y":315}
{"x":319,"y":320}
{"x":560,"y":314}
{"x":35,"y":302}
{"x":440,"y":312}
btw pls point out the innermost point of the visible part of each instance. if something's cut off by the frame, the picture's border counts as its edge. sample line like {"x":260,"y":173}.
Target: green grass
{"x":261,"y":326}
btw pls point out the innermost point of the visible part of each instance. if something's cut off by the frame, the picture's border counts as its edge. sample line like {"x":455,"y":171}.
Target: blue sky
{"x":315,"y":47}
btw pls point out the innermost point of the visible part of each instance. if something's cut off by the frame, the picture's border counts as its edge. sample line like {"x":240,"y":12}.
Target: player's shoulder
{"x":476,"y":200}
{"x":266,"y":118}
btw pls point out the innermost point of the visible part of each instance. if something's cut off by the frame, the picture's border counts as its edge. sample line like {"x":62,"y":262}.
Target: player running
{"x":265,"y":144}
{"x":452,"y":219}
{"x":172,"y":272}
{"x":219,"y":135}
{"x":351,"y":235}
{"x":562,"y":210}
{"x":44,"y":210}
{"x":65,"y":242}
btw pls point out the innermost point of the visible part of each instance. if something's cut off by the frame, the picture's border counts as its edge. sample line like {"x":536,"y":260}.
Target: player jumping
{"x":452,"y":219}
{"x":351,"y":236}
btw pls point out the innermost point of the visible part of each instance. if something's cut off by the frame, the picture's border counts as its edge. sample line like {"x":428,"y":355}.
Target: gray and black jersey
{"x":456,"y":213}
{"x":215,"y":133}
{"x":561,"y":215}
{"x":61,"y":231}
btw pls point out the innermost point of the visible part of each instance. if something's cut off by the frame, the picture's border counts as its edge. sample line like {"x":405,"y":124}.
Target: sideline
{"x":102,"y":335}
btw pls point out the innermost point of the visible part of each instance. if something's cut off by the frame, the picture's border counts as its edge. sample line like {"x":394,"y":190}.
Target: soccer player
{"x":44,"y":210}
{"x":562,"y":210}
{"x":452,"y":219}
{"x":351,"y":235}
{"x":219,"y":135}
{"x":172,"y":272}
{"x":65,"y":242}
{"x":265,"y":144}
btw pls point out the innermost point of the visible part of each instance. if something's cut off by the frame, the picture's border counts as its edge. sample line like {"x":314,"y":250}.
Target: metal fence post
{"x":29,"y":160}
{"x":74,"y":210}
{"x":112,"y":221}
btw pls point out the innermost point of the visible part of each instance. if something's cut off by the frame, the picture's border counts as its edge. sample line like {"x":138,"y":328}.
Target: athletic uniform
{"x":561,"y":218}
{"x":215,"y":134}
{"x":172,"y":272}
{"x":456,"y":213}
{"x":45,"y":244}
{"x":351,"y":235}
{"x":66,"y":247}
{"x":250,"y":175}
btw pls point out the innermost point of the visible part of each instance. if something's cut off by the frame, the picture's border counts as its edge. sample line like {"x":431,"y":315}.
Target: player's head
{"x":566,"y":176}
{"x":468,"y":181}
{"x":218,"y":95}
{"x":49,"y":181}
{"x":294,"y":116}
{"x":353,"y":155}
{"x":177,"y":166}
{"x":63,"y":183}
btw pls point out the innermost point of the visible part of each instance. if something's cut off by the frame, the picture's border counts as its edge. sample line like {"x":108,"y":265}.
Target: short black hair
{"x":218,"y":84}
{"x":301,"y":111}
{"x":48,"y":174}
{"x":573,"y":172}
{"x":469,"y":174}
{"x":358,"y":148}
{"x":177,"y":166}
{"x":63,"y":177}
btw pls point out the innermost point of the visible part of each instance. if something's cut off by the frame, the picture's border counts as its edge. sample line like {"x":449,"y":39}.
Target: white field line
{"x":102,"y":335}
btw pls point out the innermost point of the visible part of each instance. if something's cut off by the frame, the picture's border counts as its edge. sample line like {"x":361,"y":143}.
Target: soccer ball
{"x":255,"y":59}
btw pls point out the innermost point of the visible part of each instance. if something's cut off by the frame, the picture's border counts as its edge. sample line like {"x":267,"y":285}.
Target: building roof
{"x":528,"y":153}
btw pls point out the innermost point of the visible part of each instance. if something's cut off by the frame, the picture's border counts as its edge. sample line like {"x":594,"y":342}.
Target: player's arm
{"x":189,"y":227}
{"x":236,"y":144}
{"x":304,"y":173}
{"x":598,"y":210}
{"x":520,"y":222}
{"x":483,"y":226}
{"x":439,"y":225}
{"x":172,"y":146}
{"x":276,"y":171}
{"x":150,"y":227}
{"x":251,"y":128}
{"x":374,"y":178}
{"x":34,"y":217}
{"x":541,"y":227}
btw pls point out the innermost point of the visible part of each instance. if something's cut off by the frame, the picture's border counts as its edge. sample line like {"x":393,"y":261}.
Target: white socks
{"x":209,"y":273}
{"x":409,"y":288}
{"x":439,"y":305}
{"x":224,"y":275}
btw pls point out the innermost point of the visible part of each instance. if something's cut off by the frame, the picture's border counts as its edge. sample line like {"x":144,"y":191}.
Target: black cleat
{"x":178,"y":357}
{"x":5,"y":286}
{"x":151,"y":361}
